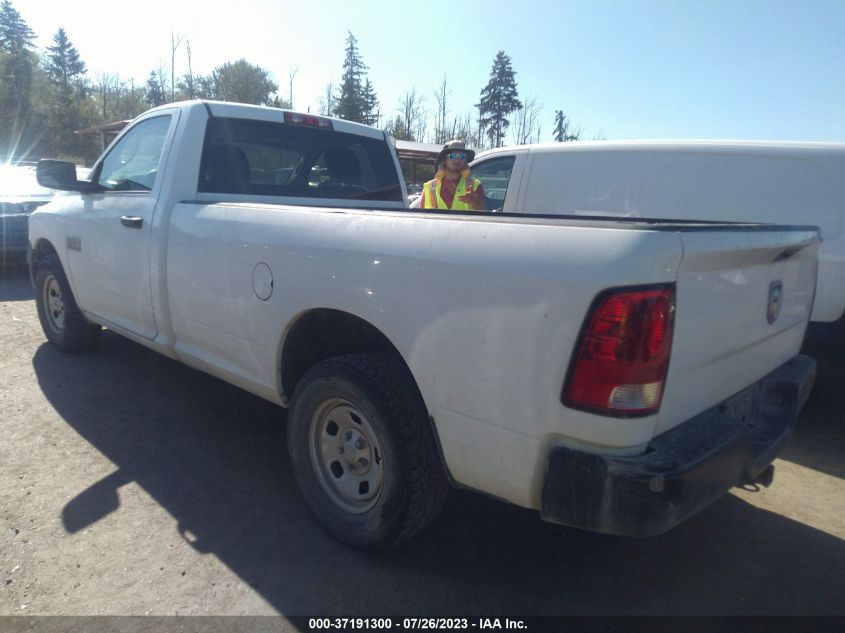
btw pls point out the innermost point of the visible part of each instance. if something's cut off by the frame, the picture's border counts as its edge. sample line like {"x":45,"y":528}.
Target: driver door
{"x":109,"y":255}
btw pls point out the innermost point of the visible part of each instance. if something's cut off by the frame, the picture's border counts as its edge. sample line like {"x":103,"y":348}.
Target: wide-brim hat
{"x":454,"y":146}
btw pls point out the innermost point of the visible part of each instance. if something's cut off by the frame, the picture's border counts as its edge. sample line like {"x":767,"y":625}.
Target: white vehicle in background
{"x":734,"y":181}
{"x":20,"y":195}
{"x":414,"y":192}
{"x":616,"y":375}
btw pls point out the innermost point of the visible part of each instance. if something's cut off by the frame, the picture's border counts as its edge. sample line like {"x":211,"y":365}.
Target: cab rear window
{"x":264,"y":158}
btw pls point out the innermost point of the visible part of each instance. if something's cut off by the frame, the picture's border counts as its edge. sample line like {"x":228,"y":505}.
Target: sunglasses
{"x":458,"y":156}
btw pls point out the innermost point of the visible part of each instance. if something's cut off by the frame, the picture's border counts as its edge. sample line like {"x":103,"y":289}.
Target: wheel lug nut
{"x":348,"y":436}
{"x":363,"y":462}
{"x":359,"y":443}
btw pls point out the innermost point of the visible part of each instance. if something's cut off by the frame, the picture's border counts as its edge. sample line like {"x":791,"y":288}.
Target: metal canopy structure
{"x":412,"y":155}
{"x":105,"y":129}
{"x":413,"y":150}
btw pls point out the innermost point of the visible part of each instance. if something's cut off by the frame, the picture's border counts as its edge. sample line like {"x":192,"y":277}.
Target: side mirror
{"x":58,"y":174}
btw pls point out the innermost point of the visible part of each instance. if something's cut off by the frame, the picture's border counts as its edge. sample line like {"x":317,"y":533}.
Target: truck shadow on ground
{"x":215,"y":458}
{"x":819,"y":440}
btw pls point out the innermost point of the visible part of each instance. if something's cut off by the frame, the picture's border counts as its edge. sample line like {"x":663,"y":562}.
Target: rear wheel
{"x":62,"y":322}
{"x":346,"y":455}
{"x":363,"y":451}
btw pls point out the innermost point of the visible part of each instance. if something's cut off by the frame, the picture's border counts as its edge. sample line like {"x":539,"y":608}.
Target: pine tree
{"x":63,"y":62}
{"x":18,"y":60}
{"x":398,"y":129}
{"x":19,"y":123}
{"x":371,"y":109}
{"x":357,"y":99}
{"x":563,"y":133}
{"x":155,"y":90}
{"x":66,"y":110}
{"x":15,"y":34}
{"x":241,"y":82}
{"x":498,"y":99}
{"x":559,"y":126}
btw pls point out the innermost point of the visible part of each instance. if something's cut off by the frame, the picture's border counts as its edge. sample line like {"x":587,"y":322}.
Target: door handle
{"x":133,"y":222}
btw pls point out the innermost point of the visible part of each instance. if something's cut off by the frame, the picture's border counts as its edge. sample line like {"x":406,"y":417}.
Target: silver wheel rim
{"x":54,"y":305}
{"x":346,"y":456}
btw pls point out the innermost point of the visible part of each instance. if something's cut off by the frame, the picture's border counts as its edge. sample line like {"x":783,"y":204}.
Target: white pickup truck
{"x":732,"y":181}
{"x":616,"y":375}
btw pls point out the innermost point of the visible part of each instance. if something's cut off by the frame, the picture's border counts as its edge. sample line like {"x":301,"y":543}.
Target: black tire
{"x":62,"y":322}
{"x":377,"y":416}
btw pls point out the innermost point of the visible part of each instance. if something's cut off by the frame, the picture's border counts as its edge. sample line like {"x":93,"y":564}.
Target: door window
{"x":494,"y":174}
{"x":133,"y":163}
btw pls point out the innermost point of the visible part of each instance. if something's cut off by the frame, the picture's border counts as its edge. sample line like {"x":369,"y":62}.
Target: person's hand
{"x":473,"y":198}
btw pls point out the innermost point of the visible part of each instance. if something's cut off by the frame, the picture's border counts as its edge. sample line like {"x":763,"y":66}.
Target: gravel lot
{"x":134,"y":485}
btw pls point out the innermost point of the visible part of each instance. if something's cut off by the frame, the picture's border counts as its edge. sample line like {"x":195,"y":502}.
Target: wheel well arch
{"x":41,"y":249}
{"x":324,"y":333}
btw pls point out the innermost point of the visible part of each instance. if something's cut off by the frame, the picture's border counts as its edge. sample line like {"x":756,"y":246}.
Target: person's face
{"x":455,"y":161}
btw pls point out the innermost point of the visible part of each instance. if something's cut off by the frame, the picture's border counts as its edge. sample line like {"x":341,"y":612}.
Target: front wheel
{"x":363,"y":452}
{"x":62,"y":321}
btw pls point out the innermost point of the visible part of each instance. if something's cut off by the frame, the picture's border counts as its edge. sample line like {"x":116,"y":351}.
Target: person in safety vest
{"x":453,"y":187}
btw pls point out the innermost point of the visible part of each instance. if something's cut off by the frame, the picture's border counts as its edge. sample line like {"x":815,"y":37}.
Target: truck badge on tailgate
{"x":775,"y":301}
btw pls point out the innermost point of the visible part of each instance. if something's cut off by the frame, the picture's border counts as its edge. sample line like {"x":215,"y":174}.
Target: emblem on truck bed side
{"x":775,"y":301}
{"x":73,"y":243}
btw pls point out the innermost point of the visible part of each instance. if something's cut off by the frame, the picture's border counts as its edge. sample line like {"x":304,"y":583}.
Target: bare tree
{"x":422,"y":127}
{"x":327,"y":101}
{"x":460,"y":127}
{"x":132,"y":102}
{"x":103,"y":92}
{"x":108,"y":89}
{"x":412,"y":115}
{"x":441,"y":132}
{"x":189,"y":77}
{"x":174,"y":44}
{"x":479,"y":139}
{"x":291,"y":75}
{"x":526,"y":120}
{"x":463,"y":129}
{"x":161,"y":75}
{"x":117,"y":99}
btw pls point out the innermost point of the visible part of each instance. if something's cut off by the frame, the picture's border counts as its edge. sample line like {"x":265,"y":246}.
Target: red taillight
{"x":298,"y":118}
{"x":621,"y":362}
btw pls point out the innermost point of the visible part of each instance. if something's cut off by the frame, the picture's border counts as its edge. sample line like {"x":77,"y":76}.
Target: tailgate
{"x":729,"y":329}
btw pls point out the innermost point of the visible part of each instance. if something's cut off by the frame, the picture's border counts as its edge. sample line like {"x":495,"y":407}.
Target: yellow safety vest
{"x":431,"y":195}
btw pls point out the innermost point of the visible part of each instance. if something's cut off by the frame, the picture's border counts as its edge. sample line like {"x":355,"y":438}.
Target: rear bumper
{"x":684,"y":469}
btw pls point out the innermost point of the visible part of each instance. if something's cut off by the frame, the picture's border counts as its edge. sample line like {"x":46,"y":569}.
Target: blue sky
{"x":744,"y":69}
